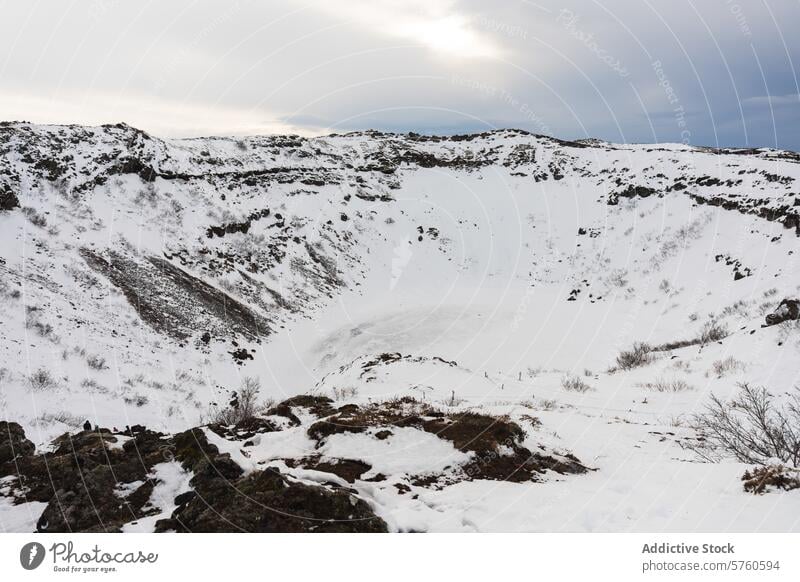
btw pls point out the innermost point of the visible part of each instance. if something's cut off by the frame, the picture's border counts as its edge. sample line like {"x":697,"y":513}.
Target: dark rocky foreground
{"x":79,"y":481}
{"x":97,"y":480}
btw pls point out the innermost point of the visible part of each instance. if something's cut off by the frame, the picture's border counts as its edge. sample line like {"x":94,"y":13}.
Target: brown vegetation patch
{"x":352,"y":418}
{"x":318,"y":405}
{"x":495,"y":442}
{"x":760,"y":479}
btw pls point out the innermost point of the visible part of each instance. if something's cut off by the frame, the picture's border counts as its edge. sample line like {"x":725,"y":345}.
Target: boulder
{"x":268,"y":501}
{"x":13,"y":443}
{"x":787,"y":310}
{"x":8,"y":200}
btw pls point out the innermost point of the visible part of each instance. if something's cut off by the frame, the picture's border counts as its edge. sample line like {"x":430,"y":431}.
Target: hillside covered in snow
{"x":488,"y":332}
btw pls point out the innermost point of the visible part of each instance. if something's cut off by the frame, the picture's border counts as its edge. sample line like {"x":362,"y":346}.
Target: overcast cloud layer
{"x":707,"y":72}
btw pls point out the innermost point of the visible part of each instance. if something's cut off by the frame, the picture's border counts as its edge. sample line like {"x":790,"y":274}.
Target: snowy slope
{"x":142,"y":278}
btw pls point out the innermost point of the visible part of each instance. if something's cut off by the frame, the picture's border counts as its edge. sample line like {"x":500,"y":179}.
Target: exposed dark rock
{"x":78,"y":480}
{"x":631,"y":192}
{"x":232,"y":227}
{"x":51,"y":168}
{"x":347,"y":469}
{"x":244,"y":430}
{"x":382,"y":435}
{"x":132,"y":165}
{"x":13,"y":443}
{"x":787,"y":310}
{"x":785,"y":214}
{"x":318,"y":405}
{"x":175,"y":302}
{"x":191,"y":448}
{"x":267,"y":501}
{"x":8,"y":200}
{"x":241,"y":355}
{"x":185,"y":497}
{"x":739,"y":270}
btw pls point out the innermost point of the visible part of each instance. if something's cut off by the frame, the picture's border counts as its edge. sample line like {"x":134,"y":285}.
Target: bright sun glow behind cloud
{"x":451,"y":36}
{"x":434,"y":24}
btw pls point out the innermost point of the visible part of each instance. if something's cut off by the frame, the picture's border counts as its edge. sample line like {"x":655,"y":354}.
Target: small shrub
{"x":760,"y":479}
{"x":675,"y":345}
{"x":344,"y":393}
{"x":638,"y":355}
{"x":94,"y":386}
{"x":667,"y":386}
{"x":33,"y":322}
{"x":148,"y":195}
{"x":454,"y":400}
{"x":42,"y":380}
{"x":677,"y":421}
{"x":534,"y":421}
{"x":96,"y":362}
{"x":738,"y":308}
{"x":82,"y":277}
{"x":721,"y":367}
{"x":618,"y":278}
{"x":548,"y":404}
{"x":133,"y":380}
{"x":534,"y":372}
{"x":751,"y":428}
{"x":137,"y":400}
{"x":712,"y":332}
{"x":787,"y":327}
{"x":43,"y":329}
{"x":243,"y":407}
{"x":574,"y":384}
{"x":183,"y":375}
{"x":48,"y":418}
{"x":34,"y":217}
{"x":682,"y":365}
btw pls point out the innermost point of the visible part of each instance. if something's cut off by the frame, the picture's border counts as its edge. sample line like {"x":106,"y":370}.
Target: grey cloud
{"x":715,"y":72}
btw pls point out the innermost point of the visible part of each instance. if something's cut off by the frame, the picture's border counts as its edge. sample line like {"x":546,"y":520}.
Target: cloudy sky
{"x":706,"y":72}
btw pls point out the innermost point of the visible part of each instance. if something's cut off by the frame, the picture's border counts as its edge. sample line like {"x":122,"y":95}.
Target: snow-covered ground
{"x":498,"y":266}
